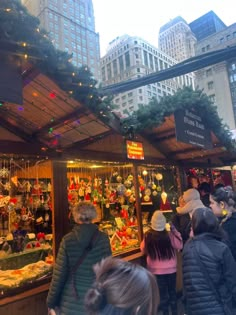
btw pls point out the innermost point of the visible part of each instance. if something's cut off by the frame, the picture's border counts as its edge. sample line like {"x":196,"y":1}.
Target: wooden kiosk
{"x":78,"y":136}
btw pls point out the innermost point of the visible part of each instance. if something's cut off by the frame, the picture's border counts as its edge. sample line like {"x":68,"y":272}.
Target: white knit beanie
{"x":158,"y":221}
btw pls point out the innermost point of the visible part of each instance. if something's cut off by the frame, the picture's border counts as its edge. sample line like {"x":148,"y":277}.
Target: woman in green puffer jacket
{"x":73,"y":272}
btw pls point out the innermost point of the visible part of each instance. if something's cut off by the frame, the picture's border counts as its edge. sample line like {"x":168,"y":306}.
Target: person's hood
{"x":208,"y":235}
{"x":190,"y":207}
{"x":191,"y":194}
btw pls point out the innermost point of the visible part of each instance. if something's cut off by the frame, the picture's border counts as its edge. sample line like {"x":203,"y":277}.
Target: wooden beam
{"x":89,"y":140}
{"x":61,"y":121}
{"x":194,"y":149}
{"x":16,"y":131}
{"x":17,"y":147}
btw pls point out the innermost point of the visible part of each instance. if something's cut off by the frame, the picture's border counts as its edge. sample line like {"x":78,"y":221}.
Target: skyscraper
{"x":219,"y":81}
{"x":207,"y":25}
{"x":130,"y":58}
{"x":71,"y":27}
{"x":176,"y":39}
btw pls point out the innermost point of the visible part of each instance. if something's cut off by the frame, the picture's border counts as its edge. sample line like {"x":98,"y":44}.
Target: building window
{"x":209,"y":72}
{"x":121,"y":63}
{"x":114,"y":63}
{"x":127,"y":59}
{"x":109,"y":71}
{"x":210,"y":85}
{"x":212,"y":98}
{"x":145,"y":58}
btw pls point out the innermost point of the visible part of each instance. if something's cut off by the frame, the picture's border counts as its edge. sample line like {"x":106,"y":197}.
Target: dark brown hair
{"x":158,"y":245}
{"x":122,"y":288}
{"x":204,"y":221}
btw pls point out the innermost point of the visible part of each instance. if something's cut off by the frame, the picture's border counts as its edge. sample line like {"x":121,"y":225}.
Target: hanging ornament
{"x":128,"y":193}
{"x":154,"y":186}
{"x":158,"y":188}
{"x":148,"y":192}
{"x":4,"y":172}
{"x":145,"y":173}
{"x":130,"y":178}
{"x":154,"y":193}
{"x":120,"y":189}
{"x":127,"y":183}
{"x":131,"y":199}
{"x":119,"y":179}
{"x":159,"y":176}
{"x":146,"y":198}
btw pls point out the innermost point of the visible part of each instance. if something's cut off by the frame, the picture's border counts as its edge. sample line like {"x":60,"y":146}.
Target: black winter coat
{"x":230,"y":228}
{"x":221,"y":268}
{"x":61,"y":292}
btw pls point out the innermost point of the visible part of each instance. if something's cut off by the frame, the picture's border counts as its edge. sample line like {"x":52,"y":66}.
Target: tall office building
{"x":71,"y":27}
{"x":176,"y":39}
{"x":207,"y":25}
{"x":130,"y":58}
{"x":219,"y":81}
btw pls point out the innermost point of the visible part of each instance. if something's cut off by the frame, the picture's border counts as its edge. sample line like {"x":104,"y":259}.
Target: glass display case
{"x":25,"y":224}
{"x":111,"y":187}
{"x":28,"y":221}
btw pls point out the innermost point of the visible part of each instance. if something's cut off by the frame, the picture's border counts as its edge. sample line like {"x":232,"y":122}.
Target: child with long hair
{"x":160,"y":247}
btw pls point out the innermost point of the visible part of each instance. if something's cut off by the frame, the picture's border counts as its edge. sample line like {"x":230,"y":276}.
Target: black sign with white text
{"x":190,"y":129}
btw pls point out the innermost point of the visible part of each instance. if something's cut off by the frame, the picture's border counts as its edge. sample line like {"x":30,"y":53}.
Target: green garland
{"x":20,"y":28}
{"x":22,"y":31}
{"x":186,"y":98}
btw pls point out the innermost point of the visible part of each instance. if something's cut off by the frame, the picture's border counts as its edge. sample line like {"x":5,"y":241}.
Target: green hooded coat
{"x":62,"y":293}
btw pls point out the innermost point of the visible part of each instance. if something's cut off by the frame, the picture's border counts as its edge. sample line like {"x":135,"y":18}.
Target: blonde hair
{"x":84,"y":212}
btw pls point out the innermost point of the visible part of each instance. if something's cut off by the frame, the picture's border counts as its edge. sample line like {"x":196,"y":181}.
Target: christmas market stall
{"x":60,"y":143}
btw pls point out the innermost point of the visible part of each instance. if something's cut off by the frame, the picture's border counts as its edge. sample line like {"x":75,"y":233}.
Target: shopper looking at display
{"x":208,"y":268}
{"x":159,"y":245}
{"x":121,"y":288}
{"x":73,"y":272}
{"x":223,"y":204}
{"x":192,"y":201}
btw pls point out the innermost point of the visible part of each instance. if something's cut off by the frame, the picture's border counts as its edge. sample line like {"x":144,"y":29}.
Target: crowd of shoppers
{"x":88,"y":280}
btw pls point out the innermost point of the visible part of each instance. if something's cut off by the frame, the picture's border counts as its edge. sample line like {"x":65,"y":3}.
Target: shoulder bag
{"x":81,"y":259}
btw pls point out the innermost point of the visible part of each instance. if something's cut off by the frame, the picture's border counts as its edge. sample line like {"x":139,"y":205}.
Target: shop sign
{"x":134,"y":150}
{"x":189,"y":128}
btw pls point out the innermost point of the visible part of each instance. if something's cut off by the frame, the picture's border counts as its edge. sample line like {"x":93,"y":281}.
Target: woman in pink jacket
{"x":160,"y":247}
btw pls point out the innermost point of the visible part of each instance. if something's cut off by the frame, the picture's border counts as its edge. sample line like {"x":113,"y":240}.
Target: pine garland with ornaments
{"x":21,"y":36}
{"x":154,"y":114}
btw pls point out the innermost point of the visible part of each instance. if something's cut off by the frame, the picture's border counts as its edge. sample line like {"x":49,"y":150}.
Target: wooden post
{"x":138,"y":202}
{"x":60,"y":203}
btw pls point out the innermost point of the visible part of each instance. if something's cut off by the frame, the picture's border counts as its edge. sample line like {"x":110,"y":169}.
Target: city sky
{"x":144,"y":18}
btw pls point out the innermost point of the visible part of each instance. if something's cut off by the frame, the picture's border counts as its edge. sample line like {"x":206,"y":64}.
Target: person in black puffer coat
{"x":209,"y":275}
{"x":223,"y":204}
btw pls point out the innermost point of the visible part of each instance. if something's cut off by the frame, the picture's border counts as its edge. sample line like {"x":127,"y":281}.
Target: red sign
{"x":134,"y":150}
